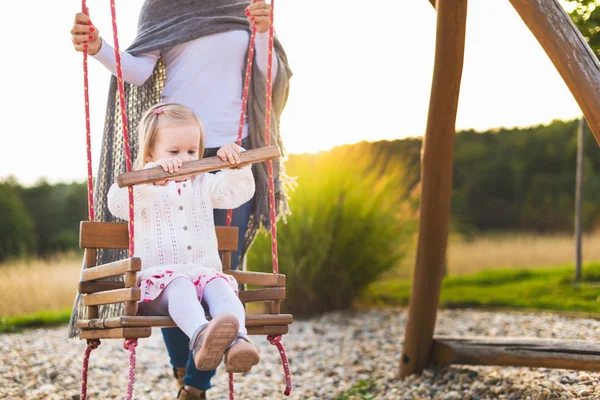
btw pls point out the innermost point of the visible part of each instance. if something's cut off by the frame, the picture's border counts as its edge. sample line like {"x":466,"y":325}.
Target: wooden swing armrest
{"x":198,"y":166}
{"x":257,"y":278}
{"x":116,"y":268}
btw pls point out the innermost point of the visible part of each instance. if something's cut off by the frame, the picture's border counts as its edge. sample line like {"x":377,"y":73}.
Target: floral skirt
{"x":153,"y":280}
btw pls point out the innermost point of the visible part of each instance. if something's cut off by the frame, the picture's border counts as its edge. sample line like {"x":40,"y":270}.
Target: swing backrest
{"x":111,"y":235}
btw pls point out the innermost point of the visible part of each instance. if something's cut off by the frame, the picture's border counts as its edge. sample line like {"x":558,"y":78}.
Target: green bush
{"x":348,"y":225}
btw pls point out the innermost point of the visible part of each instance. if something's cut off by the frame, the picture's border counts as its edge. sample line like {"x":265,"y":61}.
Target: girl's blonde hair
{"x":149,"y":125}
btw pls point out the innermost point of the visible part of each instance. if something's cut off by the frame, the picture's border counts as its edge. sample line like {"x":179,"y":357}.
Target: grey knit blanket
{"x":165,"y":23}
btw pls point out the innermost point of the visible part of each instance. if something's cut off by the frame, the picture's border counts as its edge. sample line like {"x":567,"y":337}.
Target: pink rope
{"x":88,"y":130}
{"x":249,"y":63}
{"x":91,"y":345}
{"x":130,"y":345}
{"x":231,"y":388}
{"x":126,"y":144}
{"x":276,"y":341}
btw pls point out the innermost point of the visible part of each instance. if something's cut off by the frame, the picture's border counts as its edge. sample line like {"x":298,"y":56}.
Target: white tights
{"x":180,"y":301}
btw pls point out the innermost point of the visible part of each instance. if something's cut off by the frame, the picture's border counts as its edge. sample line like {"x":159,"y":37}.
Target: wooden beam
{"x":116,"y":333}
{"x":268,"y":294}
{"x":89,"y":258}
{"x":436,"y":185}
{"x":112,"y":296}
{"x":569,"y":52}
{"x":195,"y":167}
{"x":103,"y":235}
{"x":115,"y":235}
{"x":432,"y":3}
{"x":257,"y":278}
{"x":99,"y":286}
{"x":268,"y":330}
{"x":165,"y":322}
{"x":519,"y":352}
{"x":115,"y":268}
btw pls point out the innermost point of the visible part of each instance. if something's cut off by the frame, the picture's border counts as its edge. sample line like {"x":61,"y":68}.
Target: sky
{"x":362,"y":71}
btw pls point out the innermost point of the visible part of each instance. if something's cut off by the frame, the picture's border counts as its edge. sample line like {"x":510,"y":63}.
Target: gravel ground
{"x":328,"y":356}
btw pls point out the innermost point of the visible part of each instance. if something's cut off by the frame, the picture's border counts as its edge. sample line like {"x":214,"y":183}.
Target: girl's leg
{"x":177,"y":343}
{"x":221,"y":298}
{"x":180,"y":301}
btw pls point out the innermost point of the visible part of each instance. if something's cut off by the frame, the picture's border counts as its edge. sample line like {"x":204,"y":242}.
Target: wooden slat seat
{"x":99,"y":291}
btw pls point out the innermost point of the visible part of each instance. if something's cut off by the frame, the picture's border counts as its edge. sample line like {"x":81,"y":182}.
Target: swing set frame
{"x":580,"y":69}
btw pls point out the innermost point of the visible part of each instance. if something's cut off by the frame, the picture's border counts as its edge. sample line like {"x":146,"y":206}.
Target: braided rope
{"x":231,"y":388}
{"x":91,"y":345}
{"x":275,"y":340}
{"x":130,"y":344}
{"x":249,"y":63}
{"x":88,"y":134}
{"x":126,"y":142}
{"x":94,"y":343}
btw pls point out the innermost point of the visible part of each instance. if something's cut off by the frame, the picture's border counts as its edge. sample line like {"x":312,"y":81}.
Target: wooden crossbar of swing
{"x":165,"y":322}
{"x":112,"y":269}
{"x":198,"y":166}
{"x":145,"y":332}
{"x":519,"y":352}
{"x":242,"y":277}
{"x":246,"y":296}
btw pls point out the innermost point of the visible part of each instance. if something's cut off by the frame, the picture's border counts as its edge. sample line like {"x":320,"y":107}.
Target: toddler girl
{"x":175,"y":238}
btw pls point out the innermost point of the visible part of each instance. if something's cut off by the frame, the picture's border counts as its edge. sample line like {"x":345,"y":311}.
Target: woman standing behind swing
{"x":194,"y":53}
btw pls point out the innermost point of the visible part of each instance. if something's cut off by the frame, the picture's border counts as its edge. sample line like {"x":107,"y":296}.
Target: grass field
{"x":30,"y":287}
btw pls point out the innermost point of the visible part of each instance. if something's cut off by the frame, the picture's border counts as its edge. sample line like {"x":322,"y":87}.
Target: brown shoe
{"x":241,"y":357}
{"x":179,"y":373}
{"x":210,"y":343}
{"x":185,"y":395}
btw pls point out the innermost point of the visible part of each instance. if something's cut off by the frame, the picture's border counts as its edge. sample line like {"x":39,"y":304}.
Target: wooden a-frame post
{"x":580,"y":69}
{"x":436,"y":184}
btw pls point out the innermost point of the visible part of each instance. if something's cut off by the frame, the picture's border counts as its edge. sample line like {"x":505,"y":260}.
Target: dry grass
{"x":30,"y":287}
{"x":518,"y":251}
{"x":494,"y":251}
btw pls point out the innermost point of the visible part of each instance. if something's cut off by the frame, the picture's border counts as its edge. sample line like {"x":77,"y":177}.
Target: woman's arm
{"x":261,"y":45}
{"x":136,"y":69}
{"x":86,"y":37}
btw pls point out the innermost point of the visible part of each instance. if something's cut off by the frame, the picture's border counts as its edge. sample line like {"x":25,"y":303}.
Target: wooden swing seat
{"x":97,"y":291}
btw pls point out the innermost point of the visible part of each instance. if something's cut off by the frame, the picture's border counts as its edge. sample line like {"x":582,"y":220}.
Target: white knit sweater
{"x":173,"y":228}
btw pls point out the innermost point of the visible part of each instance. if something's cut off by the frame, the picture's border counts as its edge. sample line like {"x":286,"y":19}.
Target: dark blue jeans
{"x":176,"y":341}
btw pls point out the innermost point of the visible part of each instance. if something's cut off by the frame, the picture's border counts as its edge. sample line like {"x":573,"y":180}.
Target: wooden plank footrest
{"x":267,"y":324}
{"x":522,"y":352}
{"x":117,"y":333}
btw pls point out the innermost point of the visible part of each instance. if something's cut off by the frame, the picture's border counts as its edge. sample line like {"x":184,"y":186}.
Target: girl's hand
{"x":168,"y":165}
{"x":230,"y":152}
{"x":259,"y":14}
{"x":85,"y":36}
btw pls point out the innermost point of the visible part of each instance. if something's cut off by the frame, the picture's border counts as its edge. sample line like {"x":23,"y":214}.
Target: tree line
{"x":519,"y":179}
